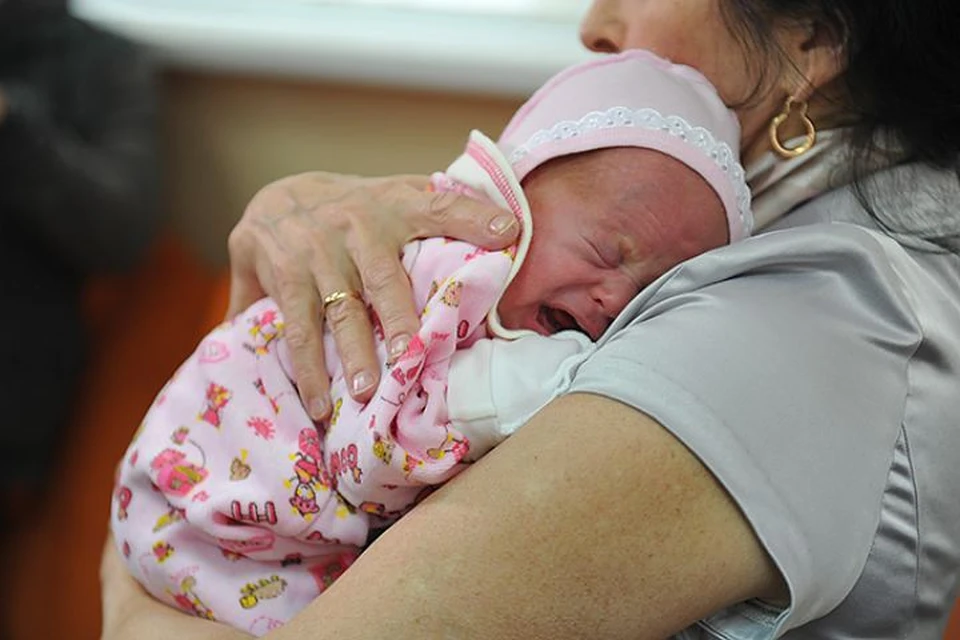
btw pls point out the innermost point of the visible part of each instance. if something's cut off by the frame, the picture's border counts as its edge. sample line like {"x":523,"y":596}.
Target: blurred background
{"x":255,"y":90}
{"x":132,"y":135}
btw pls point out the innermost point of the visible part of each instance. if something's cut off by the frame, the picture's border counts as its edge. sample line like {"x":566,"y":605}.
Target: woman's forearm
{"x":591,"y":522}
{"x":129,"y":613}
{"x":151,"y":620}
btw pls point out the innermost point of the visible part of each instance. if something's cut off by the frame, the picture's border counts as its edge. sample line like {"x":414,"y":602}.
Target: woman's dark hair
{"x":902,"y":82}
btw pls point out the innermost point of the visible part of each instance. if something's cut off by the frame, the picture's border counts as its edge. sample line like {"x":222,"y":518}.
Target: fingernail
{"x":398,"y":346}
{"x":501,"y":224}
{"x":318,"y":408}
{"x":361,"y":382}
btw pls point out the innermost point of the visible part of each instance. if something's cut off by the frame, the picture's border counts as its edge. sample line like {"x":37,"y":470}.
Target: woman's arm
{"x":129,"y":612}
{"x":591,"y":522}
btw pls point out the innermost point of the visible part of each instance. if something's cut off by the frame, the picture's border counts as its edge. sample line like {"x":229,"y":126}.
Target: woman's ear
{"x":818,"y":52}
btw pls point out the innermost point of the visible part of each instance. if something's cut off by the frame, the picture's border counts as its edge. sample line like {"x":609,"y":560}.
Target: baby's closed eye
{"x":608,"y":251}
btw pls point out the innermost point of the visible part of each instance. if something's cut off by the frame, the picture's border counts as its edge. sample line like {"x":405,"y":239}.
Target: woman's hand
{"x":313,"y":234}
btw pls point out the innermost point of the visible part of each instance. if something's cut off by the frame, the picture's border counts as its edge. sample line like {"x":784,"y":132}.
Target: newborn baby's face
{"x":605,"y":224}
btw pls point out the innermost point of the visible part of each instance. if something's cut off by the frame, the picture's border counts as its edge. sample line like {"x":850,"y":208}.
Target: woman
{"x":762,"y":443}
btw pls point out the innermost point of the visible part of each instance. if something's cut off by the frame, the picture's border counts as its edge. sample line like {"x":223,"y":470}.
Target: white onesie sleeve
{"x":497,"y":385}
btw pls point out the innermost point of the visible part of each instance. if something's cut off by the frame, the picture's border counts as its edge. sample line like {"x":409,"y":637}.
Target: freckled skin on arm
{"x":591,"y":522}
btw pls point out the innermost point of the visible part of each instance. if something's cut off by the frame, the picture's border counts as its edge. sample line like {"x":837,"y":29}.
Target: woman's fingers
{"x":456,"y":216}
{"x":387,"y":289}
{"x":386,"y":285}
{"x":245,"y":287}
{"x":349,"y":322}
{"x":303,"y":331}
{"x":342,"y":309}
{"x":270,"y":255}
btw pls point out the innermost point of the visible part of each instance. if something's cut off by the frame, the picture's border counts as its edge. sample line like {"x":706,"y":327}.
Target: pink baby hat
{"x":635,"y":99}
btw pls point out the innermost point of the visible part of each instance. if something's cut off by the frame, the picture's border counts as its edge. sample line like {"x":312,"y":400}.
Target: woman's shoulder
{"x":905,"y":247}
{"x":909,"y":202}
{"x":824,"y":344}
{"x":881,"y":253}
{"x":856,"y":264}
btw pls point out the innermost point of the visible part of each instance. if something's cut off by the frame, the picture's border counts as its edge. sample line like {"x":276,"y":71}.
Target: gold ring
{"x":338,"y":296}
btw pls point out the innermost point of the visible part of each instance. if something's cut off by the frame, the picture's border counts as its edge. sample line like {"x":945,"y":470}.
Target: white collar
{"x":779,"y":185}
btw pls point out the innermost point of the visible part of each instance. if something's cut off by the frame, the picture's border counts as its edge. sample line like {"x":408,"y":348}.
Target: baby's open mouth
{"x":556,"y":320}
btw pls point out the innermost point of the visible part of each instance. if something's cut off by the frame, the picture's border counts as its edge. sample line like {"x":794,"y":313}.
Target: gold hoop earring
{"x":809,"y":140}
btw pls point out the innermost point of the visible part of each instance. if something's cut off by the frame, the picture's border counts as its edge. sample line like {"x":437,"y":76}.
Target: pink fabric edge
{"x":646,"y":139}
{"x":638,"y":54}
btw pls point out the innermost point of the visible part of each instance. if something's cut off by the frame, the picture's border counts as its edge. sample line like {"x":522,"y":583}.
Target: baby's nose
{"x":613,"y":295}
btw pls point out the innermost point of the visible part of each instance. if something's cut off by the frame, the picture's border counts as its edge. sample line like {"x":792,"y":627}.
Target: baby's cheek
{"x":509,"y":306}
{"x":520,"y":302}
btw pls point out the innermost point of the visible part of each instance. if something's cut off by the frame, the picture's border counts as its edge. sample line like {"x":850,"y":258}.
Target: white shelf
{"x":502,"y":47}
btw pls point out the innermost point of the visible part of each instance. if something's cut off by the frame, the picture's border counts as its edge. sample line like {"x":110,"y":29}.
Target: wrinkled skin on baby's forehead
{"x":630,"y":178}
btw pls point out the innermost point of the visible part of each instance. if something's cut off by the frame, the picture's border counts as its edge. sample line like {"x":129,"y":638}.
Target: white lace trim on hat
{"x":651,"y":119}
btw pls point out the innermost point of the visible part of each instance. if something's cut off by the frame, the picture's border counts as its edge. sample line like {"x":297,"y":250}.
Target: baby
{"x":233,"y":505}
